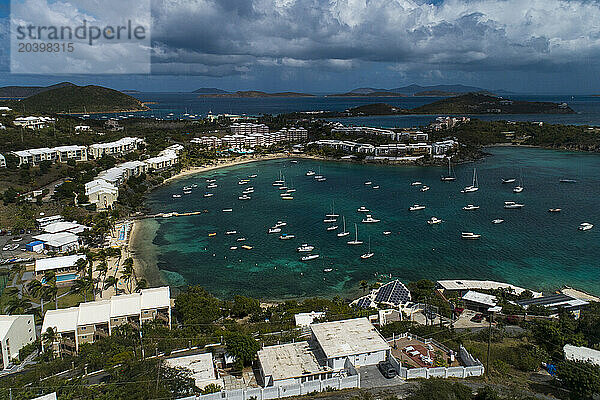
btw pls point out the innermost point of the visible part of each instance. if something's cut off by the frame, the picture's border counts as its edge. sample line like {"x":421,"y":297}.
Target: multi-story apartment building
{"x":119,"y":147}
{"x":60,"y":154}
{"x":247,"y":128}
{"x":16,"y":331}
{"x":94,"y":320}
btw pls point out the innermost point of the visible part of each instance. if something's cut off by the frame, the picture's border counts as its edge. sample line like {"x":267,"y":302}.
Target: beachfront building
{"x":65,"y":226}
{"x":462,"y":286}
{"x":443,"y":147}
{"x":101,"y":193}
{"x":16,"y":331}
{"x":238,"y":141}
{"x":353,"y":340}
{"x":117,"y":148}
{"x":60,"y":242}
{"x":392,"y":294}
{"x":60,"y":154}
{"x":64,"y":265}
{"x":291,"y":363}
{"x":93,"y":320}
{"x":391,"y":151}
{"x":210,"y":142}
{"x":34,"y":122}
{"x":165,"y":159}
{"x":40,"y":223}
{"x":556,"y":302}
{"x":479,"y":302}
{"x":247,"y":128}
{"x":2,"y":161}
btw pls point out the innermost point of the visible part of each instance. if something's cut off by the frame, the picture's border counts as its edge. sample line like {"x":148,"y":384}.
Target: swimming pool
{"x":64,"y":278}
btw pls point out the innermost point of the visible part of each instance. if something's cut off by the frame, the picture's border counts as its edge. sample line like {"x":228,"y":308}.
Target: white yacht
{"x":187,"y":191}
{"x":425,"y":188}
{"x":386,"y":233}
{"x":330,"y":220}
{"x":509,"y":180}
{"x":321,"y":179}
{"x":355,"y":241}
{"x":332,"y":214}
{"x":554,"y":210}
{"x":474,"y":185}
{"x":283,"y":187}
{"x":241,"y":239}
{"x":230,"y":232}
{"x":274,"y":230}
{"x":470,"y":207}
{"x":498,"y":221}
{"x":470,"y":235}
{"x":211,"y":180}
{"x":244,"y":197}
{"x":309,"y":257}
{"x":363,"y":209}
{"x":252,"y":176}
{"x":585,"y":226}
{"x":310,"y":173}
{"x":416,"y":207}
{"x":512,"y":205}
{"x":209,"y":194}
{"x":290,"y":190}
{"x":344,"y":232}
{"x":519,"y":188}
{"x":211,"y":186}
{"x":332,"y":228}
{"x":287,"y":197}
{"x":227,"y":210}
{"x":286,"y":236}
{"x":176,"y":196}
{"x":248,"y":191}
{"x":434,"y":221}
{"x":376,"y":187}
{"x":279,"y":224}
{"x":368,"y":183}
{"x":370,"y":220}
{"x":243,"y":181}
{"x":416,"y":183}
{"x":305,"y":248}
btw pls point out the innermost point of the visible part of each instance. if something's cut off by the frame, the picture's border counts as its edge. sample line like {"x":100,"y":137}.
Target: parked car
{"x":478,"y":317}
{"x":386,"y":369}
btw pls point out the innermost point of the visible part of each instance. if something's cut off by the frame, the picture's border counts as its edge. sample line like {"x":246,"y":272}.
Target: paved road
{"x":370,"y":377}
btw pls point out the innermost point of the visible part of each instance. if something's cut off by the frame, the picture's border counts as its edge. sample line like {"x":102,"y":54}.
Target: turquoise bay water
{"x":532,"y":248}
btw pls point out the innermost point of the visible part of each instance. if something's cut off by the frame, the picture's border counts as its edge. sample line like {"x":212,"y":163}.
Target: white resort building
{"x":89,"y":321}
{"x":16,"y":331}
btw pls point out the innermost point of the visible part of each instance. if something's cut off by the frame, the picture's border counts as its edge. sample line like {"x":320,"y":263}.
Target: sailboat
{"x":451,"y":176}
{"x":344,"y":232}
{"x":474,"y":186}
{"x":355,"y":241}
{"x":280,"y":181}
{"x":332,"y":214}
{"x":368,"y":254}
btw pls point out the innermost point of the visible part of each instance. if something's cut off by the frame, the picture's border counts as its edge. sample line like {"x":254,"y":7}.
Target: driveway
{"x":370,"y":377}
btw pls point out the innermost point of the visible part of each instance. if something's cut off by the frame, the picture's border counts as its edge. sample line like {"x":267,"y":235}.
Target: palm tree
{"x":82,"y":286}
{"x":111,"y":281}
{"x":141,"y":284}
{"x":81,"y":264}
{"x":102,"y":268}
{"x":128,"y":274}
{"x":36,"y":289}
{"x":49,"y":338}
{"x":364,"y":285}
{"x":17,"y":305}
{"x":50,"y":288}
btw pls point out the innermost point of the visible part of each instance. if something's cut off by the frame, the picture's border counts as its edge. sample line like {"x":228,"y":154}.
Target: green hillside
{"x":79,"y":99}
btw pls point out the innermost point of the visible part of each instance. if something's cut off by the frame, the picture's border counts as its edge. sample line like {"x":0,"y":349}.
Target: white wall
{"x":21,"y":333}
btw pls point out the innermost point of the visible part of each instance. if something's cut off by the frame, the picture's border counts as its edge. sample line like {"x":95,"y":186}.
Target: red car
{"x":478,"y":317}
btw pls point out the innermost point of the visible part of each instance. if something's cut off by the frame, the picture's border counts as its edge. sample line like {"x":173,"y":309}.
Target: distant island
{"x":412,"y":90}
{"x":210,"y":91}
{"x":255,"y":94}
{"x":73,"y":99}
{"x":470,"y":103}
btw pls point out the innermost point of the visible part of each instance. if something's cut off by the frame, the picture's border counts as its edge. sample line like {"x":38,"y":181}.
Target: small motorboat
{"x":176,"y":196}
{"x":370,"y":220}
{"x":208,"y":194}
{"x":363,"y":209}
{"x":309,"y":257}
{"x":310,"y":173}
{"x":328,"y":270}
{"x":275,"y":229}
{"x":498,"y":221}
{"x":511,"y":205}
{"x":425,"y":188}
{"x":244,"y":197}
{"x":246,"y":247}
{"x":212,"y":234}
{"x":233,"y":248}
{"x":470,"y":236}
{"x":386,"y":233}
{"x":376,"y":187}
{"x":434,"y":221}
{"x":470,"y":207}
{"x":509,"y":180}
{"x":305,"y":248}
{"x":230,"y":232}
{"x":286,"y":236}
{"x":555,"y":210}
{"x":332,"y":228}
{"x":241,"y":239}
{"x":416,"y":183}
{"x":585,"y":226}
{"x":227,"y":210}
{"x":368,"y":183}
{"x":568,"y":181}
{"x":416,"y":207}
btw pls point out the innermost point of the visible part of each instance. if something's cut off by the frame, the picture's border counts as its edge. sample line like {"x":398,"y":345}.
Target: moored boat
{"x":416,"y":207}
{"x":434,"y":221}
{"x":470,"y":235}
{"x":470,"y":207}
{"x":585,"y":226}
